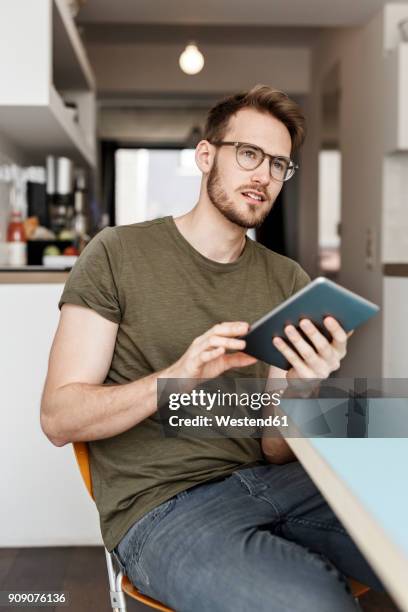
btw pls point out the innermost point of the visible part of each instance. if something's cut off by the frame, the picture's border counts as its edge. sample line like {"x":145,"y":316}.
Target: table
{"x":365,"y":481}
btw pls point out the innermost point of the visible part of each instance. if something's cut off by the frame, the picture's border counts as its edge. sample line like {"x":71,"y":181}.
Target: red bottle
{"x":16,"y":239}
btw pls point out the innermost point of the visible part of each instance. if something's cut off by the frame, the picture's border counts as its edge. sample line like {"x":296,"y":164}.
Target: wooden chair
{"x":120,"y":584}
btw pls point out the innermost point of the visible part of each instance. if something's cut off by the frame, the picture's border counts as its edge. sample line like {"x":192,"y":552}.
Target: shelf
{"x":71,"y":67}
{"x":43,"y":129}
{"x":395,"y":269}
{"x":71,"y":128}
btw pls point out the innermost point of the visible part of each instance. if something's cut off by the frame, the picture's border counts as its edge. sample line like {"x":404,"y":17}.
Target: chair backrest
{"x":81,"y":451}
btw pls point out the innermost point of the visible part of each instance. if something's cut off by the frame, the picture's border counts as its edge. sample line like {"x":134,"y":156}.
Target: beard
{"x":248,"y":215}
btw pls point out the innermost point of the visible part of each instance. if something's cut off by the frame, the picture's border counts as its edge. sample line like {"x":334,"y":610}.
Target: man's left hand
{"x":319,"y":360}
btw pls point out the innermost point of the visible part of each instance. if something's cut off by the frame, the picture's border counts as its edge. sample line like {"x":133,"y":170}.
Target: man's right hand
{"x":207,"y":356}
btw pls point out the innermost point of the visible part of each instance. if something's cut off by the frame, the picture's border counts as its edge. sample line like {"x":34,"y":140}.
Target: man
{"x":201,"y":524}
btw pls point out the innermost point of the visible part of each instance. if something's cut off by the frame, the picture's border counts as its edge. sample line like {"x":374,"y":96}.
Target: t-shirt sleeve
{"x":300,"y":280}
{"x":94,"y":280}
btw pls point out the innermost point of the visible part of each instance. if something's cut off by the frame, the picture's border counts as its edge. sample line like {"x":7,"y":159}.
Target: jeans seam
{"x":318,"y":524}
{"x":243,"y":480}
{"x":330,"y":567}
{"x":156,"y":519}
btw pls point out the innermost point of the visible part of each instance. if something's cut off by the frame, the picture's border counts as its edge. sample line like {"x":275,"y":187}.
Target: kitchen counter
{"x":32,"y":274}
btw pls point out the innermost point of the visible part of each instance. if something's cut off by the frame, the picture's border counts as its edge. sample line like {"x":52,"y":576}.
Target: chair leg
{"x":117,"y":596}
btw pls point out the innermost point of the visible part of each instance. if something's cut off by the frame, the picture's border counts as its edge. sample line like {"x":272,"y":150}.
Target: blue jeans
{"x":262,"y":539}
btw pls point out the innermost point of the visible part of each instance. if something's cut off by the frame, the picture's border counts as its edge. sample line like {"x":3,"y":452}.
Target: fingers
{"x":207,"y":356}
{"x":319,"y":358}
{"x":208,"y":352}
{"x":312,"y":358}
{"x":238,"y":360}
{"x":296,"y":362}
{"x":233,"y":360}
{"x":319,"y":341}
{"x":339,"y":342}
{"x":232,"y":344}
{"x":320,"y":364}
{"x":221,"y":336}
{"x":229,"y":328}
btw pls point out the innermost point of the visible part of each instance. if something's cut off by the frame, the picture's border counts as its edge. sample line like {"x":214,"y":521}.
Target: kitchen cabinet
{"x":44,"y":502}
{"x":43,"y":66}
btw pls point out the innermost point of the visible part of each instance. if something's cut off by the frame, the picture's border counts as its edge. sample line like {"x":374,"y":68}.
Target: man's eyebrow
{"x":262,"y":149}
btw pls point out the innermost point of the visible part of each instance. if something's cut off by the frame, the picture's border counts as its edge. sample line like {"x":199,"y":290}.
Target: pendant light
{"x":191,"y":60}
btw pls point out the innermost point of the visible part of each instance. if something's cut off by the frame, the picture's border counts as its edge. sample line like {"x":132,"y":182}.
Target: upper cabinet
{"x":47,"y":88}
{"x":396,"y":99}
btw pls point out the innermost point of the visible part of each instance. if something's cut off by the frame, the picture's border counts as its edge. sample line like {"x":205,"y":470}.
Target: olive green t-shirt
{"x":163,"y":293}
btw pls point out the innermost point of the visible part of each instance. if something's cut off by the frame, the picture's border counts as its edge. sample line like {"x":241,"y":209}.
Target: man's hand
{"x":319,"y":360}
{"x":311,"y":363}
{"x":207,"y":356}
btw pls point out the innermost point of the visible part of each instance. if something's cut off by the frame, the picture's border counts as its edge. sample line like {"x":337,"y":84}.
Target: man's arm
{"x":76,"y":406}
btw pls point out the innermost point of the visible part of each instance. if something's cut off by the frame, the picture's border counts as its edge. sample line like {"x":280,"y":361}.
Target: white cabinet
{"x":396,"y":99}
{"x":43,"y":65}
{"x":44,"y":502}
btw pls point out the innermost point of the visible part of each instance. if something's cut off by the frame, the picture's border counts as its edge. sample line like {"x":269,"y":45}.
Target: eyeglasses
{"x":250,"y":157}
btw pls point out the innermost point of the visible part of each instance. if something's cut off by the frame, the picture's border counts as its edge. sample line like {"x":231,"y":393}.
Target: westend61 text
{"x":228,"y":421}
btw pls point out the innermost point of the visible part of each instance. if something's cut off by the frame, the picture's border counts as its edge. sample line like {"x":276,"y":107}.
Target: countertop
{"x":42,"y":274}
{"x":32,"y":274}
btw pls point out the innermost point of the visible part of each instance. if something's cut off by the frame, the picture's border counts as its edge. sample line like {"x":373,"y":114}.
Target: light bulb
{"x":191,"y":61}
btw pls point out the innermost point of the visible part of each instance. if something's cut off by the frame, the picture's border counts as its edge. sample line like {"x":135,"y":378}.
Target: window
{"x":329,"y":210}
{"x":153,"y":183}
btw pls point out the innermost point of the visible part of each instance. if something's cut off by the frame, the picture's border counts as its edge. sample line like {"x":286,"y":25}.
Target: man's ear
{"x":204,"y":156}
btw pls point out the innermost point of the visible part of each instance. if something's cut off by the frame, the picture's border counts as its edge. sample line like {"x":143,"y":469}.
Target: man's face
{"x":228,"y":184}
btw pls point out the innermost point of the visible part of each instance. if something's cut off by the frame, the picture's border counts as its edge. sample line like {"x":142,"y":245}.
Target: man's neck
{"x":211,"y":234}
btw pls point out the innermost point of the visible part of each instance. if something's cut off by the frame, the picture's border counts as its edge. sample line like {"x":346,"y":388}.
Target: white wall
{"x":395,"y":209}
{"x":359,"y":52}
{"x":395,"y":357}
{"x":44,"y":502}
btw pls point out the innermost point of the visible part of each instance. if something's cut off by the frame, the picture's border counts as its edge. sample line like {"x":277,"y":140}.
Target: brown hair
{"x":261,"y":98}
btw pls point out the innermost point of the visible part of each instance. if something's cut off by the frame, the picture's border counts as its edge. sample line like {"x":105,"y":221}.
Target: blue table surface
{"x":376,"y":471}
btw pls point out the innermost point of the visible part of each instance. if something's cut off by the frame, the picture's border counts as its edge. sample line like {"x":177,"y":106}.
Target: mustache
{"x":253,"y":188}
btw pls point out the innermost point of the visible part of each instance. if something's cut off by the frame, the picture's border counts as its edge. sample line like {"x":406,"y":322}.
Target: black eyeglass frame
{"x":292,"y":167}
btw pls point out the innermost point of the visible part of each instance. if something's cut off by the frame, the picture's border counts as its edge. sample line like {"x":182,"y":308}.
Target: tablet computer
{"x":320,"y":298}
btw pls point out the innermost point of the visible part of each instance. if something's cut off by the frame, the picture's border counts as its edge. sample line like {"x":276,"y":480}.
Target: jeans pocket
{"x":130,"y":548}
